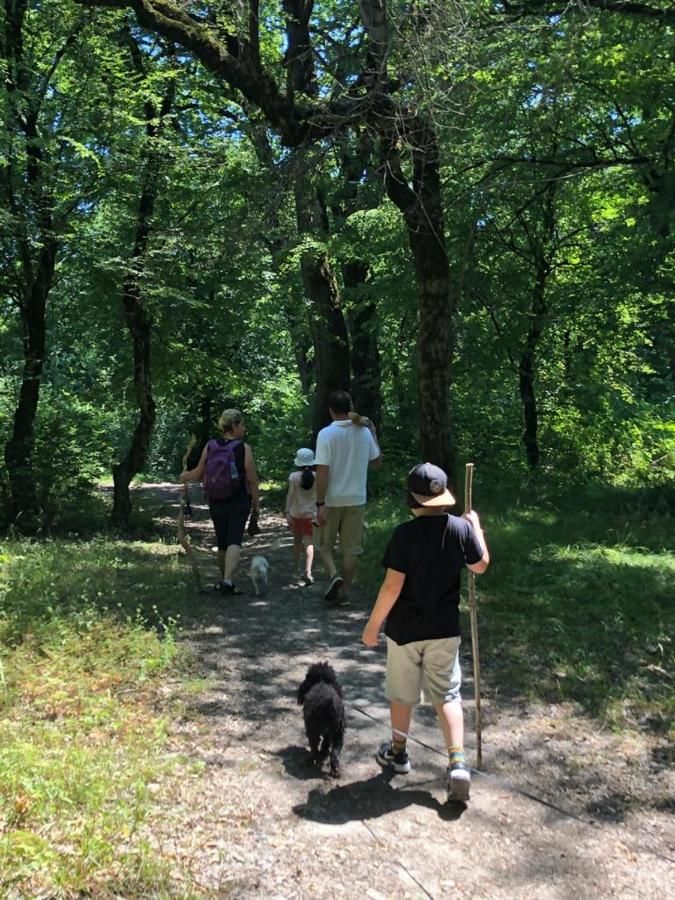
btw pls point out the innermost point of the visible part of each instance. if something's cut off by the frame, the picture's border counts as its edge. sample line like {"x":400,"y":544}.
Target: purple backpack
{"x":221,"y":476}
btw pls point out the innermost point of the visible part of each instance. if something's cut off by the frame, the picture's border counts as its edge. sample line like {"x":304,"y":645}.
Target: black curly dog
{"x":320,"y":696}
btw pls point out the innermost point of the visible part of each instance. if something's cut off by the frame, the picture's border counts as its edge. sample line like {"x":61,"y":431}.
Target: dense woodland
{"x":462,"y":211}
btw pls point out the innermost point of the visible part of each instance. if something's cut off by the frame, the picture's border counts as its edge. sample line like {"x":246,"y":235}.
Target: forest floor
{"x":252,"y":818}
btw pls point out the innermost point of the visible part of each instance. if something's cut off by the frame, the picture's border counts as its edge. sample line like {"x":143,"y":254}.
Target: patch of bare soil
{"x":254,"y":819}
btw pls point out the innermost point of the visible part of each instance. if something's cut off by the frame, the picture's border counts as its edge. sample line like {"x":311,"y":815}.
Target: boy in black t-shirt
{"x":419,"y":598}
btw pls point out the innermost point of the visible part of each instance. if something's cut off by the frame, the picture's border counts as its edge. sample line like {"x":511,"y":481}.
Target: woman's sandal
{"x":228,"y":589}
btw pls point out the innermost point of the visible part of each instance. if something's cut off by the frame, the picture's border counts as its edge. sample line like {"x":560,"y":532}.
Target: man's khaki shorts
{"x":346,"y":521}
{"x":432,"y":665}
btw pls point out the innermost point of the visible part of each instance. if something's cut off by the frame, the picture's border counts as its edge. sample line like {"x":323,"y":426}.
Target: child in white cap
{"x":301,"y":510}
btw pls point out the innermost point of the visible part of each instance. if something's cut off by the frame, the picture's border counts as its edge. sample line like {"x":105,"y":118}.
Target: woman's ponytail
{"x":307,"y":479}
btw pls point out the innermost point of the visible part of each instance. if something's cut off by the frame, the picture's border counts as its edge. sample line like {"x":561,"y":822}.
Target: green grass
{"x":87,"y":630}
{"x":578,"y":603}
{"x":576,"y":607}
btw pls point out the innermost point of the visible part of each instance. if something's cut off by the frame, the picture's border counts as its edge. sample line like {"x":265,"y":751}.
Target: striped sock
{"x":456,"y":754}
{"x":398,"y":745}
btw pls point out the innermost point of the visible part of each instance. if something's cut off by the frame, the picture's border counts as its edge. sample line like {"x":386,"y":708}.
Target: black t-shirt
{"x":431,"y":551}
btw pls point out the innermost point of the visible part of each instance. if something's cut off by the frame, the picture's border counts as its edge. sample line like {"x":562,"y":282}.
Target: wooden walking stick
{"x":186,"y":507}
{"x":473,"y":616}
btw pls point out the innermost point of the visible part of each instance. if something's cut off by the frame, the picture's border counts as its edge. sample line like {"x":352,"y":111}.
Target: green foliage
{"x":577,"y":603}
{"x":220,"y":280}
{"x":578,"y":586}
{"x":81,"y":740}
{"x":277,"y":421}
{"x":74,"y":448}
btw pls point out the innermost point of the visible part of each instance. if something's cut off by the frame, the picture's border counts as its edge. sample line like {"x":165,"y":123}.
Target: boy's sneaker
{"x":332,"y":595}
{"x":459,"y":782}
{"x":399,"y":762}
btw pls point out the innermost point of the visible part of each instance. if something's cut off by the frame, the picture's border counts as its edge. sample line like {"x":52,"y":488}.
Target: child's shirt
{"x":431,"y":552}
{"x":300,"y":502}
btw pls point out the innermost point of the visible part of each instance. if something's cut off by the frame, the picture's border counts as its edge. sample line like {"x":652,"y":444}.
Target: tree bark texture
{"x":30,"y":202}
{"x":135,"y":313}
{"x":326,"y":319}
{"x":364,"y":350}
{"x":327,"y":323}
{"x":24,"y":506}
{"x":404,"y":130}
{"x":235,"y":59}
{"x":420,"y":205}
{"x":299,"y":54}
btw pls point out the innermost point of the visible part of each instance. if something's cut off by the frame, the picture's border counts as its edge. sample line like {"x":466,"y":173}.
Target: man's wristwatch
{"x":320,"y":502}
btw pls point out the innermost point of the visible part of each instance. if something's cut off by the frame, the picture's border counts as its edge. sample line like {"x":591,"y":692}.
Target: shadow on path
{"x":255,"y":650}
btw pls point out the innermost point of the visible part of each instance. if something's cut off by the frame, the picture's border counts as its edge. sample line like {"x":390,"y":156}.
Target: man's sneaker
{"x":459,"y":782}
{"x":399,"y":762}
{"x":332,"y":595}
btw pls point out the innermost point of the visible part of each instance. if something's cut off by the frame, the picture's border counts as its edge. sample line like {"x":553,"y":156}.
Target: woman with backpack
{"x":227,"y":469}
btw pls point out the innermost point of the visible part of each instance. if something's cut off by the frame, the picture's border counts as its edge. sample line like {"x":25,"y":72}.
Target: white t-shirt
{"x":300,"y":502}
{"x":347,"y":449}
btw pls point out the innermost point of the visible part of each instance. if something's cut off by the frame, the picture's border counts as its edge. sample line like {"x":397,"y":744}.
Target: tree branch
{"x":663,"y":15}
{"x":570,"y":164}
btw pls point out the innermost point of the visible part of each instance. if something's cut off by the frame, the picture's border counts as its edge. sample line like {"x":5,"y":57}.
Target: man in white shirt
{"x":345,"y":451}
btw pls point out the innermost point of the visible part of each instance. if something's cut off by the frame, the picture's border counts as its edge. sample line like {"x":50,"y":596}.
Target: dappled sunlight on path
{"x":255,"y":819}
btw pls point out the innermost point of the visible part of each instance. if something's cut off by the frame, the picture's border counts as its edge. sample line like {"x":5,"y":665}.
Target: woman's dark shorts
{"x":229,"y":519}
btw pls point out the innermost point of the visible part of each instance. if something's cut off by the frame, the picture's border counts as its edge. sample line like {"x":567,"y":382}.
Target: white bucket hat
{"x":304,"y":457}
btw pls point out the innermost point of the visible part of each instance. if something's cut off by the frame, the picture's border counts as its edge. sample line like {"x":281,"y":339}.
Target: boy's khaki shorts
{"x":432,"y":665}
{"x":347,"y":521}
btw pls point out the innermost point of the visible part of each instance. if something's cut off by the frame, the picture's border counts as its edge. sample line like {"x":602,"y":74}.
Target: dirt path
{"x":254,"y":819}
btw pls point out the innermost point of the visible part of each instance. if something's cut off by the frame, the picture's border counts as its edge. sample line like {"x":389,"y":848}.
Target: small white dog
{"x":259,"y":569}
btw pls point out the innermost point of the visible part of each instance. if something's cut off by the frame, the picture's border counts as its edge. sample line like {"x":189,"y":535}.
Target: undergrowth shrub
{"x":75,"y":445}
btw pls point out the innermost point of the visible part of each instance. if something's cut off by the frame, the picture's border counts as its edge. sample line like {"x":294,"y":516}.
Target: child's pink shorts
{"x":301,"y":527}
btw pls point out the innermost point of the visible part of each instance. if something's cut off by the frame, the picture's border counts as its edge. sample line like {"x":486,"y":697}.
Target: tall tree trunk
{"x":434,"y":350}
{"x":420,"y":205}
{"x":30,"y":202}
{"x":365,"y":354}
{"x":526,"y":370}
{"x":139,"y":325}
{"x":204,"y":429}
{"x":327,"y":323}
{"x":24,"y":506}
{"x":301,"y":339}
{"x":135,"y":314}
